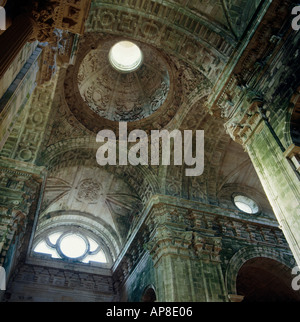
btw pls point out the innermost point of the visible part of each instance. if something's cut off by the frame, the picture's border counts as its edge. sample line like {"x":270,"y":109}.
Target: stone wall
{"x":34,"y":283}
{"x":186,"y":250}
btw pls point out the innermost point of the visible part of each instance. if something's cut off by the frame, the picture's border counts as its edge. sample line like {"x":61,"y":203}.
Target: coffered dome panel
{"x":100,"y":96}
{"x":123,"y":96}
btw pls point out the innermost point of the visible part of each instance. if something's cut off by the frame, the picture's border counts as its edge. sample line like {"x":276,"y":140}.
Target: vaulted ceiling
{"x":186,"y":42}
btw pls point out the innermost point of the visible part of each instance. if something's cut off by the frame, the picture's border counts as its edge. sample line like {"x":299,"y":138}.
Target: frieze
{"x":49,"y":277}
{"x":207,"y":52}
{"x":191,"y":234}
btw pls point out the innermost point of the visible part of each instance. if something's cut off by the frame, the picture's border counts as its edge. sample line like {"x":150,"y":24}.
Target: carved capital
{"x":170,"y":241}
{"x":245,"y":121}
{"x":13,"y":223}
{"x":18,"y":192}
{"x":207,"y":247}
{"x":18,"y":189}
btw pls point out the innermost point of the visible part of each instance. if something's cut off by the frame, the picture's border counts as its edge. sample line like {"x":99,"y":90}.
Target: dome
{"x":123,"y":81}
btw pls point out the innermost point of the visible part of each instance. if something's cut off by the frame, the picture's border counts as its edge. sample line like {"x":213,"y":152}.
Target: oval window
{"x":245,"y":204}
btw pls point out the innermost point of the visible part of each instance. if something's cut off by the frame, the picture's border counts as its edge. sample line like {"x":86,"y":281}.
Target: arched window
{"x":74,"y":245}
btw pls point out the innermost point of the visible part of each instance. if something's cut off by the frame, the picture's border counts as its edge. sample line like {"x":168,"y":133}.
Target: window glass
{"x":54,"y":237}
{"x":246,"y":204}
{"x":72,"y":246}
{"x":43,"y":248}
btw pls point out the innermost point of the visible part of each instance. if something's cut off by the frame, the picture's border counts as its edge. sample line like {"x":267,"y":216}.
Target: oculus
{"x":125,"y":56}
{"x":245,"y":204}
{"x":121,"y":83}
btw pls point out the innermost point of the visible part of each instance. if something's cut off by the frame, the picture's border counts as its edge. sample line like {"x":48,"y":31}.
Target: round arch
{"x":263,"y":279}
{"x":149,"y":294}
{"x":248,"y":253}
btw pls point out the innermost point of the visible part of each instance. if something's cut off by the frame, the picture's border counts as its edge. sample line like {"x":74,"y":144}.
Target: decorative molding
{"x":69,"y":15}
{"x":19,"y":192}
{"x":171,"y":230}
{"x":257,"y":55}
{"x":191,"y":36}
{"x":93,"y":121}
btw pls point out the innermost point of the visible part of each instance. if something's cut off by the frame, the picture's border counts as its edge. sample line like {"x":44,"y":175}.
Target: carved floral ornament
{"x":89,"y":190}
{"x":119,"y":96}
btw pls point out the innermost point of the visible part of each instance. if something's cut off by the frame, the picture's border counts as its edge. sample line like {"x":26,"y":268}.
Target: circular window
{"x":245,"y":204}
{"x":125,"y":56}
{"x":73,"y":246}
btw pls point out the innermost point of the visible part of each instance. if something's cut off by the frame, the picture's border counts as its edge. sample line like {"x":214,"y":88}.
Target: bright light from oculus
{"x":125,"y":56}
{"x":246,"y":204}
{"x":73,"y":246}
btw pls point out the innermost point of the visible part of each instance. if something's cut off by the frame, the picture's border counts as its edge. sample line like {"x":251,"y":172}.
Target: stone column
{"x":186,"y":261}
{"x":19,"y":190}
{"x":277,"y":173}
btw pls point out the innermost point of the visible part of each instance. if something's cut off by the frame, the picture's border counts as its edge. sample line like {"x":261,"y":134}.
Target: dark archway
{"x":149,"y":295}
{"x":265,"y":280}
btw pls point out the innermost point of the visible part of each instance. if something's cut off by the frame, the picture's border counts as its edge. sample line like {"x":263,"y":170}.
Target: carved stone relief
{"x":144,"y":98}
{"x":185,"y":34}
{"x":67,"y":15}
{"x":123,"y":97}
{"x":89,"y":190}
{"x":92,"y":191}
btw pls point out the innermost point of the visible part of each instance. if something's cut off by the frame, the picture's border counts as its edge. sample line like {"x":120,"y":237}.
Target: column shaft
{"x":281,"y":184}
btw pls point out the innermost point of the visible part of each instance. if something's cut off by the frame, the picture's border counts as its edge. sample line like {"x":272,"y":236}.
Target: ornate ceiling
{"x":123,"y":96}
{"x":144,"y":98}
{"x":187,"y":45}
